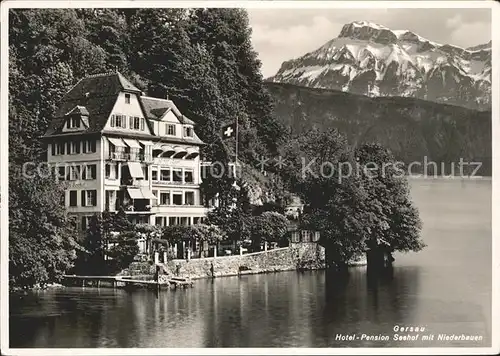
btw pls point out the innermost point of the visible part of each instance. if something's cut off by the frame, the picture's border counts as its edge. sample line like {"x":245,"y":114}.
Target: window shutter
{"x":93,"y":170}
{"x":83,"y":196}
{"x":142,"y":124}
{"x":94,"y":198}
{"x":131,"y":122}
{"x":112,"y":120}
{"x":124,"y":121}
{"x":84,"y":172}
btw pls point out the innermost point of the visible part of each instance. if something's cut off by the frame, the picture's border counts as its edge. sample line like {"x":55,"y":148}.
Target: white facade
{"x":150,"y":167}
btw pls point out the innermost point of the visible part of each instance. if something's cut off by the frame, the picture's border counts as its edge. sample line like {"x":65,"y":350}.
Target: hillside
{"x":411,"y":128}
{"x":373,"y":60}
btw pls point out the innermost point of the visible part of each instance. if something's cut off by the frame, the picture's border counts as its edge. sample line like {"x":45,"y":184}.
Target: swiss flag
{"x":229,"y":131}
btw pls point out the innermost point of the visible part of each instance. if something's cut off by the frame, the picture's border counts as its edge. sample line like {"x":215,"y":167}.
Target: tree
{"x":394,"y":221}
{"x":91,"y":259}
{"x":352,"y":211}
{"x":269,"y":226}
{"x":149,"y":232}
{"x":124,"y":249}
{"x":41,"y":236}
{"x":233,"y":216}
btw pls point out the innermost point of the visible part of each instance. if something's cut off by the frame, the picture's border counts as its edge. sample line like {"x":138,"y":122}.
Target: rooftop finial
{"x":167,"y":95}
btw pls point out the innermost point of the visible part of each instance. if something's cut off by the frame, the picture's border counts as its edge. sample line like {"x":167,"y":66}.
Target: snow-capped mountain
{"x":373,"y":60}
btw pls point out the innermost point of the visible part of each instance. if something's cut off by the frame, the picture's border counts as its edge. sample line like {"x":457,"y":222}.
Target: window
{"x":159,"y":220}
{"x":184,"y":220}
{"x":143,"y":124}
{"x":165,"y":175}
{"x":89,"y":197}
{"x":127,"y":98}
{"x":135,"y":123}
{"x":90,"y":171}
{"x":74,"y":172}
{"x":85,"y":222}
{"x":177,"y":198}
{"x":73,"y":147}
{"x":111,"y":171}
{"x":177,"y":175}
{"x":113,"y":121}
{"x":165,"y":198}
{"x":73,"y":198}
{"x":120,"y":121}
{"x":189,"y":198}
{"x":61,"y":173}
{"x":188,"y":131}
{"x":173,"y":220}
{"x":188,"y":176}
{"x":154,"y":174}
{"x":57,"y":149}
{"x":110,"y":198}
{"x":74,"y":122}
{"x":170,"y":129}
{"x":88,"y":146}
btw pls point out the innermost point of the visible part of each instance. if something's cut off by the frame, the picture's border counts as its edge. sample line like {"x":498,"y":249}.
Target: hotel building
{"x":115,"y":147}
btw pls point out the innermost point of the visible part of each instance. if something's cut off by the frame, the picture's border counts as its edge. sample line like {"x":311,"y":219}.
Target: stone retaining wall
{"x":297,"y":256}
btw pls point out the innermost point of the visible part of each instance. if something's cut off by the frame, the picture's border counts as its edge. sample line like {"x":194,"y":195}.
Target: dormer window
{"x":127,"y":98}
{"x":74,"y":122}
{"x":170,"y":129}
{"x":188,"y":131}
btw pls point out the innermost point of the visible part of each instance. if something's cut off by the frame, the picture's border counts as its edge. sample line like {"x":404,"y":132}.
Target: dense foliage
{"x":355,"y":198}
{"x":411,"y":128}
{"x":200,"y":58}
{"x":270,"y":226}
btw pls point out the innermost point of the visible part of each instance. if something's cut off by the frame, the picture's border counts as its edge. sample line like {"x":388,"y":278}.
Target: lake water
{"x":445,"y":288}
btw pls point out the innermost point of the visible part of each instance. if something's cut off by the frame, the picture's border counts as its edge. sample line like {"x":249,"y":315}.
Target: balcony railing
{"x":125,"y":156}
{"x":168,"y":182}
{"x":137,"y":208}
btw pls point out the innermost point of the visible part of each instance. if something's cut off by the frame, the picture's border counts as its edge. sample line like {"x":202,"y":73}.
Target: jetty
{"x":128,"y":282}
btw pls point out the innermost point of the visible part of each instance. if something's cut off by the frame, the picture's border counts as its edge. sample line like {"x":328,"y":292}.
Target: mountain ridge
{"x":373,"y":60}
{"x":411,"y":128}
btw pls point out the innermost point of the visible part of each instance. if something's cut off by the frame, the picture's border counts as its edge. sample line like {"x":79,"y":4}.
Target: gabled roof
{"x":155,"y":108}
{"x":98,"y":94}
{"x":78,"y":110}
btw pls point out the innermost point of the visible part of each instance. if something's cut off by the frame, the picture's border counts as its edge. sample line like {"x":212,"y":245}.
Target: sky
{"x":282,"y":34}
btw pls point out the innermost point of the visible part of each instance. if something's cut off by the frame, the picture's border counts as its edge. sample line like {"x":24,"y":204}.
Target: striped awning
{"x":135,"y":170}
{"x":135,"y":193}
{"x":132,"y":143}
{"x":147,"y":194}
{"x":118,"y":142}
{"x":146,"y":143}
{"x":192,"y":153}
{"x":179,"y":152}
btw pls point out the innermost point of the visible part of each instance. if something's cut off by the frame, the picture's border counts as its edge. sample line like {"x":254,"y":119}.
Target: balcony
{"x":165,"y":183}
{"x":138,"y":207}
{"x":125,"y":156}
